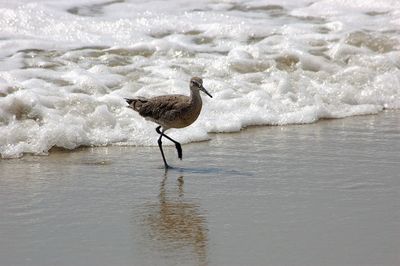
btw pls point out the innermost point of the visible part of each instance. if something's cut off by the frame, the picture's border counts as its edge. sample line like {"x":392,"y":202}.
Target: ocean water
{"x":321,"y":194}
{"x":65,"y":66}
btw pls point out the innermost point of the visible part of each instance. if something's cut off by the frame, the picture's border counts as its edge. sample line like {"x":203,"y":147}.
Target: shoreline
{"x":58,"y":150}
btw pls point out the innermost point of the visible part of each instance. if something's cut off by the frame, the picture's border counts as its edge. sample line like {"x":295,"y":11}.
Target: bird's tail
{"x":136,"y":103}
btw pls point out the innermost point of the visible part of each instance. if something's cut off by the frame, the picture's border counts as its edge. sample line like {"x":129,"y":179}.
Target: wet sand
{"x":320,"y":194}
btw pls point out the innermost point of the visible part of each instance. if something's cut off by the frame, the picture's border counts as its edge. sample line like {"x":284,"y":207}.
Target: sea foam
{"x":65,"y":67}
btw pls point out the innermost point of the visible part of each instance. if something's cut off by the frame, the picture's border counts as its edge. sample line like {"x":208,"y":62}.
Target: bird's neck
{"x":195,"y":97}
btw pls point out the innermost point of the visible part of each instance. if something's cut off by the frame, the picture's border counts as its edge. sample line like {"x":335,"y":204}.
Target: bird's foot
{"x":167,"y":166}
{"x":179,"y":150}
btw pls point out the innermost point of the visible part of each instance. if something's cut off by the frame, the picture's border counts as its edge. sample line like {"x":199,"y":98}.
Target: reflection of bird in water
{"x":177,"y":225}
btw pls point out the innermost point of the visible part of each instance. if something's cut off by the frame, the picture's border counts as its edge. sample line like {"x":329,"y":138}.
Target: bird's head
{"x":196,"y":83}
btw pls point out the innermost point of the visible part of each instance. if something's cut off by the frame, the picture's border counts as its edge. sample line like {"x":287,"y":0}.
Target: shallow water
{"x":320,"y":194}
{"x":65,"y":66}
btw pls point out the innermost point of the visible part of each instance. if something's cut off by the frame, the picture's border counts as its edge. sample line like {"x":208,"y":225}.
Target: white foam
{"x":65,"y":67}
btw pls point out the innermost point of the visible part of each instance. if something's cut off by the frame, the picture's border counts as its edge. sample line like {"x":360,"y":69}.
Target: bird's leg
{"x":177,"y":144}
{"x":160,"y":146}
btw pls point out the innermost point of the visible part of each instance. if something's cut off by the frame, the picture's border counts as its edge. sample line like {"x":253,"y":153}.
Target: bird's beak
{"x":205,"y":91}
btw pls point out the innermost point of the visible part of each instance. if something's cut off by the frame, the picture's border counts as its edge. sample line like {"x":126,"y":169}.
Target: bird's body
{"x":171,"y":111}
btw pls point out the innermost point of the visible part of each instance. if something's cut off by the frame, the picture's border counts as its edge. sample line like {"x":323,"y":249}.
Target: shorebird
{"x":171,"y":111}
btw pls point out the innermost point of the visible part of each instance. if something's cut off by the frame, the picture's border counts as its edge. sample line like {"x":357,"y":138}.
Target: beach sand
{"x":321,"y":194}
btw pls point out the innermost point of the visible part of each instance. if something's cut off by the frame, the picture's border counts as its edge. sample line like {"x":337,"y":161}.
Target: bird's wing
{"x":165,"y":107}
